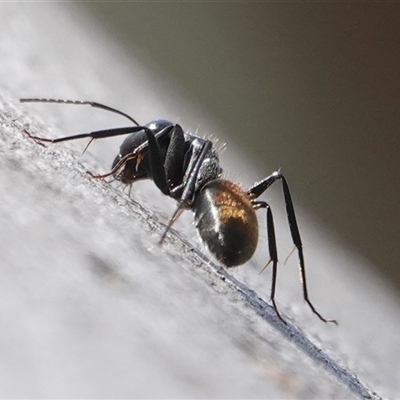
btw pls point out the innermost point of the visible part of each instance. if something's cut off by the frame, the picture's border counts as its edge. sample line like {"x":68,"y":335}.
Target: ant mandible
{"x":186,"y":167}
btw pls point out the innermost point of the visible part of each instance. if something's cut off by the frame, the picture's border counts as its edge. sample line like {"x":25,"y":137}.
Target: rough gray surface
{"x":91,"y":306}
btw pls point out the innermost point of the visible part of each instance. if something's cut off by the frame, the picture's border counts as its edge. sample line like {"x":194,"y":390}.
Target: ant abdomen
{"x":226,"y":221}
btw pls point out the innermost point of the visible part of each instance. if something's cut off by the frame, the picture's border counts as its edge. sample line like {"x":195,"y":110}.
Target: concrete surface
{"x":91,"y":306}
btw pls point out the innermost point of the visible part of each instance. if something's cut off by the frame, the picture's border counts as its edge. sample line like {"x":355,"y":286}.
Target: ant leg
{"x":156,"y":163}
{"x":189,"y":186}
{"x":165,"y":173}
{"x":174,"y":157}
{"x":260,"y":188}
{"x":273,"y":252}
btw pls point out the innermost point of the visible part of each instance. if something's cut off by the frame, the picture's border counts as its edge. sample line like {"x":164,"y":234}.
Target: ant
{"x":186,"y":168}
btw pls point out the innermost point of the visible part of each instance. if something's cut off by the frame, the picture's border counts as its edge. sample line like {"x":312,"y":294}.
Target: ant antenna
{"x":80,"y":103}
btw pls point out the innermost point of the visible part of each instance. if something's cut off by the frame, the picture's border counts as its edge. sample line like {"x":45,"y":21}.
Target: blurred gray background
{"x":312,"y":88}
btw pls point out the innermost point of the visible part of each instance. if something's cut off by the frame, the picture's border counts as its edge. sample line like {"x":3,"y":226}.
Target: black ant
{"x":186,"y":167}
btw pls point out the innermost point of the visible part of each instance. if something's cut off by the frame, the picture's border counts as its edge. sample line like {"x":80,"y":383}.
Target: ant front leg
{"x":165,"y":170}
{"x":259,"y":188}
